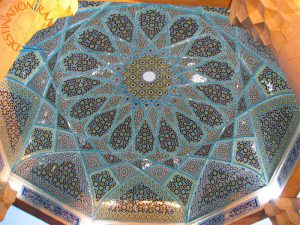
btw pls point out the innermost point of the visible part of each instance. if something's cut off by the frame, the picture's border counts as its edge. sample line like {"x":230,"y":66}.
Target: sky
{"x":263,"y":222}
{"x":16,"y":216}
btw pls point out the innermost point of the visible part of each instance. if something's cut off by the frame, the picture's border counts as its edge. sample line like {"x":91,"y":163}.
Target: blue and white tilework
{"x":121,"y":98}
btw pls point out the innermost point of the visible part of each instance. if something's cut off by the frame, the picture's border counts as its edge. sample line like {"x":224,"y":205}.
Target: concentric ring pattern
{"x":83,"y":125}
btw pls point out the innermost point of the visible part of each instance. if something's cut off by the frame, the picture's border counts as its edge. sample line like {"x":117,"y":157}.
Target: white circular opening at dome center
{"x":149,"y":76}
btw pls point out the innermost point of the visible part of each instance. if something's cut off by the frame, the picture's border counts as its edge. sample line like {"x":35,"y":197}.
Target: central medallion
{"x":148,"y":78}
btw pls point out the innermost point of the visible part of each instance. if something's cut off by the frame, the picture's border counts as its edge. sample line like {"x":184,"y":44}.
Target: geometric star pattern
{"x":145,"y":113}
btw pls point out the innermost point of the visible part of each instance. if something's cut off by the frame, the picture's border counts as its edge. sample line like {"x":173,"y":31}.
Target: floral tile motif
{"x":193,"y":167}
{"x":251,"y":62}
{"x":182,"y":187}
{"x":140,"y":199}
{"x":246,"y":153}
{"x":41,"y":140}
{"x":39,"y":81}
{"x":65,"y":141}
{"x":124,"y":171}
{"x":243,"y":127}
{"x":111,"y":159}
{"x":228,"y":131}
{"x":254,"y":95}
{"x":18,"y":107}
{"x":92,"y":161}
{"x":25,"y":66}
{"x":61,"y":175}
{"x":137,"y":104}
{"x":275,"y":122}
{"x":102,"y":183}
{"x":62,"y":122}
{"x":160,"y":173}
{"x":47,"y":33}
{"x":46,"y":115}
{"x":143,"y":163}
{"x":49,"y":47}
{"x":222,"y":151}
{"x":271,"y":82}
{"x":87,"y":4}
{"x":173,"y":162}
{"x":51,"y":94}
{"x":203,"y":150}
{"x":221,"y":183}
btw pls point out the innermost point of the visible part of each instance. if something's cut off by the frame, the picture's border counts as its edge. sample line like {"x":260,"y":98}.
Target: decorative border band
{"x":290,"y":162}
{"x":40,"y":201}
{"x":231,"y":214}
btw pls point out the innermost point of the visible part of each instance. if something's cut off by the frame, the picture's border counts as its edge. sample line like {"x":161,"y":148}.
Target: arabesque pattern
{"x":84,"y":125}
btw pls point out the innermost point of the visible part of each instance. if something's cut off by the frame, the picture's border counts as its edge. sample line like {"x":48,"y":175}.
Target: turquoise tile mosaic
{"x":146,"y":113}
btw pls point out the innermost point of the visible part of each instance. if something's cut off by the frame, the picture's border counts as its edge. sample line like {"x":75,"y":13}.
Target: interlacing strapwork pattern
{"x":145,"y":113}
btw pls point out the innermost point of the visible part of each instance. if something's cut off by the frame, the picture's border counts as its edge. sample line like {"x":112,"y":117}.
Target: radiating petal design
{"x":144,"y":141}
{"x":168,"y":139}
{"x":121,"y":135}
{"x":80,"y":62}
{"x":121,"y":26}
{"x":207,"y":114}
{"x":182,"y":29}
{"x":217,"y":93}
{"x":17,"y":112}
{"x":104,"y":101}
{"x":152,"y":22}
{"x":78,"y":86}
{"x":205,"y":47}
{"x":94,"y":40}
{"x":101,"y":124}
{"x":189,"y":128}
{"x":217,"y":70}
{"x":86,"y":107}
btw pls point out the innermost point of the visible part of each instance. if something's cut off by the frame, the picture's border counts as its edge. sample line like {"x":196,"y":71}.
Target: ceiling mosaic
{"x":149,"y":113}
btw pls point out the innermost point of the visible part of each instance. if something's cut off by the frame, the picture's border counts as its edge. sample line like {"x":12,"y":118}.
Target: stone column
{"x":276,"y":23}
{"x":284,"y":211}
{"x":7,"y":197}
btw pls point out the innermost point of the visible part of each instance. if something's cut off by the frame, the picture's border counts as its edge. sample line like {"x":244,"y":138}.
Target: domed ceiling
{"x":146,"y":113}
